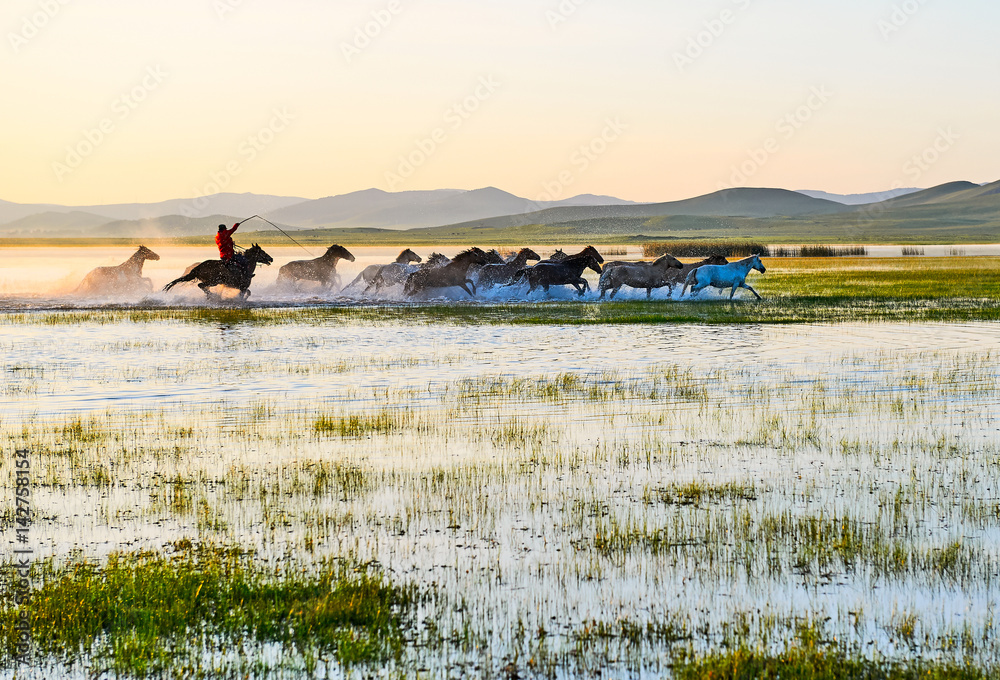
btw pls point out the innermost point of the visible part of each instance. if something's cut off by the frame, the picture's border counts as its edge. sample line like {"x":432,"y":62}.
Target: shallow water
{"x":496,"y":491}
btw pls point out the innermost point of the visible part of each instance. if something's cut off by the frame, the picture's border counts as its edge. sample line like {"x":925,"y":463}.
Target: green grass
{"x":143,"y":613}
{"x":817,"y":664}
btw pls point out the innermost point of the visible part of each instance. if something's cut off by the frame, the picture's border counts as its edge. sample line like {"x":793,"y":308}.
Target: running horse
{"x":501,"y":274}
{"x":323,"y":269}
{"x":455,"y":273}
{"x":369,"y":273}
{"x":123,"y":278}
{"x":569,"y":272}
{"x":732,"y":275}
{"x":217,"y":273}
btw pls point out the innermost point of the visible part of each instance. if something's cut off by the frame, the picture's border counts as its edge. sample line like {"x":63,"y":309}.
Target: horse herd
{"x":472,"y":270}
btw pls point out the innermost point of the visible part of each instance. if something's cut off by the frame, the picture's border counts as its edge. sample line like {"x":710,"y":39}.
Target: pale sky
{"x":285,"y":98}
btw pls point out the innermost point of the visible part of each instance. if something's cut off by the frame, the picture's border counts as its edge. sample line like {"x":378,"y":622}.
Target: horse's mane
{"x":576,"y":259}
{"x":465,"y":254}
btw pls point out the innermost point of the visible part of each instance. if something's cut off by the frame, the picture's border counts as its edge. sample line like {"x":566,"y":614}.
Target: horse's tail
{"x":356,"y":279}
{"x":183,"y":279}
{"x":689,"y":279}
{"x":520,"y":276}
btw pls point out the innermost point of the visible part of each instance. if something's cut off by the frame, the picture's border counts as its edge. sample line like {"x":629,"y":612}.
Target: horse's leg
{"x":733,"y":291}
{"x":205,"y":285}
{"x":463,"y":287}
{"x":750,"y":288}
{"x":473,"y":284}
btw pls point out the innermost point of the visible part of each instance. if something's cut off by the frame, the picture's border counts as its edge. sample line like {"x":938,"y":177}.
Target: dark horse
{"x":455,"y":273}
{"x":569,"y":272}
{"x":218,"y":273}
{"x":322,"y":269}
{"x":501,"y":274}
{"x":560,"y":256}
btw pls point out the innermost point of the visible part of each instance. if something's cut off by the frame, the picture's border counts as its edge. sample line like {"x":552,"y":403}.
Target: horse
{"x":369,"y":273}
{"x":732,"y":275}
{"x":648,"y":275}
{"x":122,"y":278}
{"x":393,"y":275}
{"x":455,"y":273}
{"x":501,"y":274}
{"x":675,"y":277}
{"x":566,"y":273}
{"x":560,"y":256}
{"x":322,"y":269}
{"x":219,"y":273}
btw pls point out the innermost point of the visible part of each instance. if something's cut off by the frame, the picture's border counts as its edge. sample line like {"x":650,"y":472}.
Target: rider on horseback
{"x":227,"y":249}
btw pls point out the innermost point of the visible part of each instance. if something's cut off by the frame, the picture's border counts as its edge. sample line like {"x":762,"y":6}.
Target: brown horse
{"x":501,"y":274}
{"x":123,"y":278}
{"x":322,"y":269}
{"x":455,"y":273}
{"x":648,"y":275}
{"x":369,"y":273}
{"x":569,"y":272}
{"x":218,"y":273}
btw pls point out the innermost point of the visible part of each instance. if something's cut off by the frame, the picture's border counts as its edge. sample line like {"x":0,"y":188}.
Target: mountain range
{"x":486,"y":208}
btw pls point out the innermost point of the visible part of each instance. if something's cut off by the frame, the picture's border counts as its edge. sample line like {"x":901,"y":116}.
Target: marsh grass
{"x":811,"y":663}
{"x":142,"y":613}
{"x":671,"y":505}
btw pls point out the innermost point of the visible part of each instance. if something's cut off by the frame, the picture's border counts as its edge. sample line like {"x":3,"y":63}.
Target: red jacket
{"x":224,"y":239}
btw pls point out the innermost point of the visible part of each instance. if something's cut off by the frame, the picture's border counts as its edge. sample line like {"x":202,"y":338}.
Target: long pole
{"x":281,"y":230}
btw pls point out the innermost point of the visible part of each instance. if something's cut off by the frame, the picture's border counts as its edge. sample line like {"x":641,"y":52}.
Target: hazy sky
{"x":135,"y":100}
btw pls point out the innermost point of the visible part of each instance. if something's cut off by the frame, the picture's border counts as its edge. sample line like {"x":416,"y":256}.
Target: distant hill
{"x":50,"y":223}
{"x":585,"y":199}
{"x":224,"y":204}
{"x":405,"y":209}
{"x":169,"y":226}
{"x":740,"y":202}
{"x":951,"y":191}
{"x":858,"y":199}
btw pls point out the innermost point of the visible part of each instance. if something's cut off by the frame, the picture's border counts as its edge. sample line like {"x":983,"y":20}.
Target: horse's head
{"x":594,"y":263}
{"x":256,"y":254}
{"x":341,"y":252}
{"x":473,"y":256}
{"x":494,"y":257}
{"x":147,"y":254}
{"x":592,"y":251}
{"x":558,"y":256}
{"x":668,"y":261}
{"x":408,"y":256}
{"x":529,"y":254}
{"x":437,"y":260}
{"x":757,"y":264}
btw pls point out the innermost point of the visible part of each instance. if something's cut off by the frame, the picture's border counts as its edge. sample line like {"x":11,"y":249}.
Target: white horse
{"x":732,"y":275}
